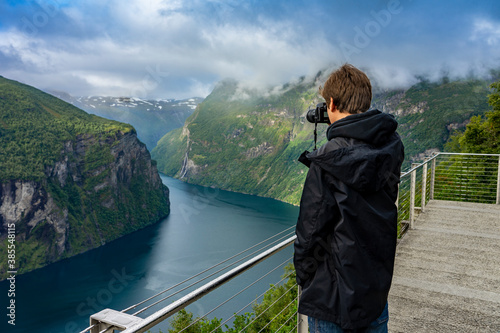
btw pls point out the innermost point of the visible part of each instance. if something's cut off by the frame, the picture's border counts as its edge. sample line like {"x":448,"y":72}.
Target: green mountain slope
{"x":245,"y":145}
{"x":428,"y":113}
{"x":69,"y":181}
{"x":246,"y":142}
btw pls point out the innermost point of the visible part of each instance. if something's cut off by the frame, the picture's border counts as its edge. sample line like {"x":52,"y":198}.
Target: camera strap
{"x":315,"y":133}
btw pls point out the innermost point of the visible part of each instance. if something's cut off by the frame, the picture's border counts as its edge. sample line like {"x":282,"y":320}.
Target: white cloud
{"x":391,"y":77}
{"x":267,"y":55}
{"x":486,"y":30}
{"x":193,"y":49}
{"x":177,"y":49}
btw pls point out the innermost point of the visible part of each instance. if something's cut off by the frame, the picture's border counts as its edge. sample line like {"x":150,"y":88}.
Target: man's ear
{"x":332,"y":105}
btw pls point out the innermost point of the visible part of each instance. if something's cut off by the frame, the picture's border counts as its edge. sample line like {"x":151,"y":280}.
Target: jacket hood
{"x":372,"y":127}
{"x":361,"y":151}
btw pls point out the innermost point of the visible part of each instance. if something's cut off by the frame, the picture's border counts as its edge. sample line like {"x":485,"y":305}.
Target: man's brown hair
{"x":350,"y":89}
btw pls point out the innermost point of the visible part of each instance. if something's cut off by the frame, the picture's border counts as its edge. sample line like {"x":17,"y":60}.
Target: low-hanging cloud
{"x":165,"y":49}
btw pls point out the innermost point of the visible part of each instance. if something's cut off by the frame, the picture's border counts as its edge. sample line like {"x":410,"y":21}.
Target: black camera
{"x":318,"y":115}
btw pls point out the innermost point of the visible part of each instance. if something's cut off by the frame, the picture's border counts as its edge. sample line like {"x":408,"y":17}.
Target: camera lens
{"x":311,"y":115}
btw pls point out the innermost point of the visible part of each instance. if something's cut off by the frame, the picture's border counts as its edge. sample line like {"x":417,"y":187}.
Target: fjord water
{"x":205,"y":227}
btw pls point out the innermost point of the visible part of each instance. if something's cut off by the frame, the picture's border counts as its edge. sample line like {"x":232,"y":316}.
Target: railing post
{"x":412,"y":195}
{"x":433,"y":178}
{"x":424,"y":186}
{"x":302,"y":326}
{"x":397,"y":198}
{"x":498,"y":183}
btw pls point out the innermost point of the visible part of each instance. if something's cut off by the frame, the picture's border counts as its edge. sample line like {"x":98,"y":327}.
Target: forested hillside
{"x":482,"y":134}
{"x":429,"y":112}
{"x":249,"y":142}
{"x":69,"y":181}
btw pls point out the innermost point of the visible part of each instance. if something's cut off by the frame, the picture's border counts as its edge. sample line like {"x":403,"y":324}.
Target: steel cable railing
{"x":468,"y":177}
{"x":208,"y":276}
{"x":279,"y":313}
{"x":244,"y":328}
{"x":172,"y":308}
{"x":210,"y":268}
{"x":234,"y":296}
{"x":291,"y":317}
{"x":262,"y":246}
{"x":247,"y":305}
{"x":447,"y":176}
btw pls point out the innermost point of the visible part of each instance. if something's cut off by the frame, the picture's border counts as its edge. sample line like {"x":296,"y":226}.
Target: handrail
{"x":181,"y":303}
{"x":415,"y":167}
{"x":473,"y":154}
{"x":208,"y":269}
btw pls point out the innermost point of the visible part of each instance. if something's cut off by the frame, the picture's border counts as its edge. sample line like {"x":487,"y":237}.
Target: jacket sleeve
{"x":314,"y":227}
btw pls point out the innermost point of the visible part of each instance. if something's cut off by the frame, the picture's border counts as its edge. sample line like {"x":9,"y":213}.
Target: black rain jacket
{"x":347,"y":225}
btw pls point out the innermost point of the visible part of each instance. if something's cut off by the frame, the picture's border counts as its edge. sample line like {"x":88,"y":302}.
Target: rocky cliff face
{"x":26,"y":204}
{"x":100,"y":189}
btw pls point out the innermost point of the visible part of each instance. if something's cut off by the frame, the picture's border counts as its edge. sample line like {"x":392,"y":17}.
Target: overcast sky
{"x":179,"y":49}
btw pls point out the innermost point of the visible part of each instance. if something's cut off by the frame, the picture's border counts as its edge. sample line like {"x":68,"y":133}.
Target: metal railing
{"x":109,"y":320}
{"x":447,"y":176}
{"x":444,"y":176}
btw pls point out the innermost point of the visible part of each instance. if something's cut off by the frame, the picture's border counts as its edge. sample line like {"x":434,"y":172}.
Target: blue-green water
{"x":205,"y":226}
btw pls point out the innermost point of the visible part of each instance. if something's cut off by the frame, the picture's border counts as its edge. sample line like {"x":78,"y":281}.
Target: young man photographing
{"x":347,"y":225}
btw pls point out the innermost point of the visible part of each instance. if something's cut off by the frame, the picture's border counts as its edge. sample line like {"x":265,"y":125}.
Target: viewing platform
{"x":446,"y":275}
{"x":447,"y":271}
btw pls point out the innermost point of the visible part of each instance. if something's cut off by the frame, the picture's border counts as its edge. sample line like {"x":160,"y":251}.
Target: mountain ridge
{"x":251,"y":144}
{"x":151,"y":118}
